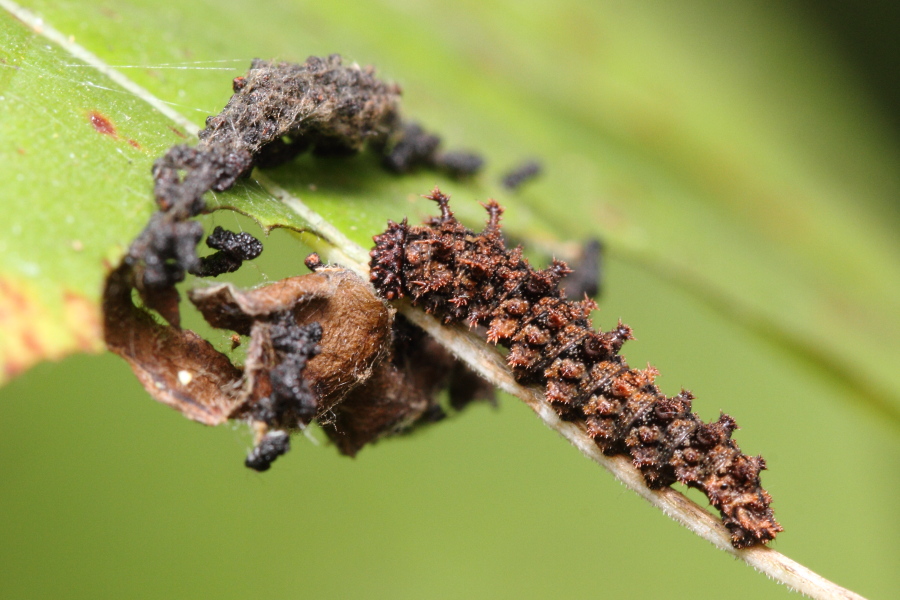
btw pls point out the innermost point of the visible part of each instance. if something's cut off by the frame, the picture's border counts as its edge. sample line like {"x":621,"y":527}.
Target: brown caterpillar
{"x":461,"y":276}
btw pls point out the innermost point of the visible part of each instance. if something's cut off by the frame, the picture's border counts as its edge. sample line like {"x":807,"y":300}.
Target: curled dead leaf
{"x":176,"y":366}
{"x":322,"y":346}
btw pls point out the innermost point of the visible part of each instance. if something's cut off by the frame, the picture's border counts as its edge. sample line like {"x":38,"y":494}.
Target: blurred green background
{"x":741,"y":162}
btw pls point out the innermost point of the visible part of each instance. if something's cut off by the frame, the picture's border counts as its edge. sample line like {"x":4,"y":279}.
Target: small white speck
{"x":184,"y":377}
{"x":71,"y":156}
{"x":77,"y":246}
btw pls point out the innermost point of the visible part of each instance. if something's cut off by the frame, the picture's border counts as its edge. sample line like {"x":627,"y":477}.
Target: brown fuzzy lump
{"x":460,"y":276}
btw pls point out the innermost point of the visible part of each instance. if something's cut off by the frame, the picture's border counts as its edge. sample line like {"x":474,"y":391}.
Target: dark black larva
{"x":278,"y":111}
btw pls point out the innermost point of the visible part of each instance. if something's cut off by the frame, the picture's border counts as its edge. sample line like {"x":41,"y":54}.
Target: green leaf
{"x":743,"y":186}
{"x":73,"y":160}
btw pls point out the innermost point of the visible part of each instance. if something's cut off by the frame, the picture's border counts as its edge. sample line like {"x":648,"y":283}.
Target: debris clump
{"x":521,"y":174}
{"x":233,"y":250}
{"x":411,"y":148}
{"x":278,"y":111}
{"x":272,"y":445}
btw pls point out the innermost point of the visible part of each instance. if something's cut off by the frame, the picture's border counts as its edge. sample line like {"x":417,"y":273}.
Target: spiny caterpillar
{"x":460,"y":276}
